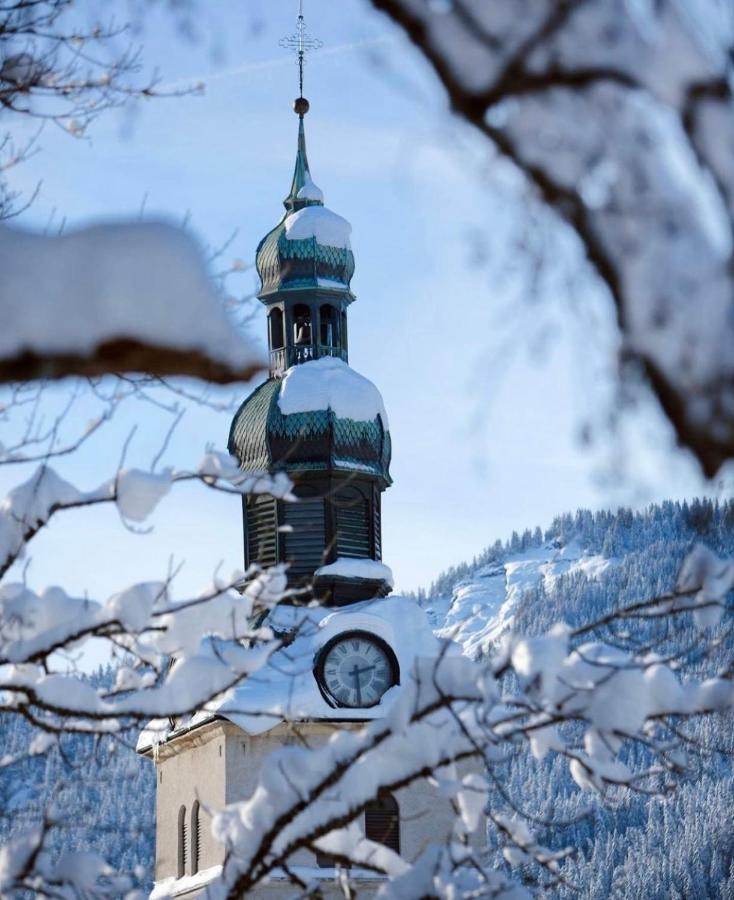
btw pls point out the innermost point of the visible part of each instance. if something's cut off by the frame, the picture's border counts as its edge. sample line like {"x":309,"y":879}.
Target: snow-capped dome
{"x":320,"y":223}
{"x":321,"y":415}
{"x":330,"y":384}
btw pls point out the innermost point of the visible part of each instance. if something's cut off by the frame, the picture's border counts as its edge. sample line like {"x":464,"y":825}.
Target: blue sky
{"x":487,"y":383}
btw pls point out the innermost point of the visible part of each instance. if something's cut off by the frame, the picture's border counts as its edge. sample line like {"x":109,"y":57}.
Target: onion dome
{"x":309,"y":248}
{"x":321,"y":416}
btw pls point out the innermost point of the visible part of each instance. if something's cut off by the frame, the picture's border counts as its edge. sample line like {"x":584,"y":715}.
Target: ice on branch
{"x":138,"y":492}
{"x":111,"y":298}
{"x":73,"y":874}
{"x":710,"y":579}
{"x":28,"y":506}
{"x":223,"y":467}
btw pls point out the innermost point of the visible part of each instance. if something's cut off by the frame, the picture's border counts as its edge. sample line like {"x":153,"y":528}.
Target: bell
{"x":303,"y":335}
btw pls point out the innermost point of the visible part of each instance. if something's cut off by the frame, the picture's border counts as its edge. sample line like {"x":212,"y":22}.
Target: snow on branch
{"x":115,"y":298}
{"x":29,"y":506}
{"x":621,"y":117}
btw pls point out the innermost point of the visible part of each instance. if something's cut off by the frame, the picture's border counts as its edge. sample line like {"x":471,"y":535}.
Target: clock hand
{"x":355,"y":675}
{"x":366,"y":669}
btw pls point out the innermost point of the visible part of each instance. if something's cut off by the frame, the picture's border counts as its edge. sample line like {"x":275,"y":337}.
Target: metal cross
{"x":301,"y":42}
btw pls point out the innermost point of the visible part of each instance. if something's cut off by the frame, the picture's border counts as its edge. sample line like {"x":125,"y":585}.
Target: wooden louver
{"x":352,"y":524}
{"x":304,"y":545}
{"x":262,"y":533}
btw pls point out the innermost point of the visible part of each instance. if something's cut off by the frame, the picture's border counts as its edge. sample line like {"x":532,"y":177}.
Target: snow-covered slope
{"x":483,"y":605}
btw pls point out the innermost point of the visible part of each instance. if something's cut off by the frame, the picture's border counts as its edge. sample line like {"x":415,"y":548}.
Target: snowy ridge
{"x":482,"y":607}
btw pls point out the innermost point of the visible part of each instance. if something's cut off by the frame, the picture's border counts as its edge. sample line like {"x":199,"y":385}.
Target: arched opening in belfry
{"x":328,"y":337}
{"x":276,"y":328}
{"x":301,"y":325}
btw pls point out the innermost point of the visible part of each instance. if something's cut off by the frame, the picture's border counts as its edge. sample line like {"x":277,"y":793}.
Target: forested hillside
{"x":680,"y":845}
{"x":100,"y":790}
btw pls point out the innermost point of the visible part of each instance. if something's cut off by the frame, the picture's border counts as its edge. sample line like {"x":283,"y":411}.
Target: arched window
{"x":195,"y":838}
{"x":327,"y":319}
{"x":276,"y":329}
{"x":301,"y":325}
{"x":352,"y":523}
{"x":382,"y":821}
{"x":181,"y":867}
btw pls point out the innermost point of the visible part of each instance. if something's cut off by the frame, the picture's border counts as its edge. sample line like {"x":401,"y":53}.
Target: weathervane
{"x":301,"y":42}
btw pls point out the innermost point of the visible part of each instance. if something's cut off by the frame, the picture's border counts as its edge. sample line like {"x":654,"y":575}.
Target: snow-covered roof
{"x":285,"y":689}
{"x":329,"y":383}
{"x":346,"y":567}
{"x":329,"y":229}
{"x":310,"y":190}
{"x":115,"y":297}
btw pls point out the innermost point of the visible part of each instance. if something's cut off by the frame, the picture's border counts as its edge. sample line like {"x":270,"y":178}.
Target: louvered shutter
{"x":377,"y":524}
{"x":304,"y":545}
{"x":352,"y":524}
{"x":262,"y":531}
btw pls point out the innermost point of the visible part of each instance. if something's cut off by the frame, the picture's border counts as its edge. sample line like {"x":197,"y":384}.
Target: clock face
{"x":356,"y":669}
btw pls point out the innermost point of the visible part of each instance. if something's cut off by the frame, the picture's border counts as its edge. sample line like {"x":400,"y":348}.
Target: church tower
{"x":342,"y":661}
{"x":315,"y":418}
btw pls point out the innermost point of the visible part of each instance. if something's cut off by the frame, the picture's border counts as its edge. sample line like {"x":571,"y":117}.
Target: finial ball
{"x":301,"y":106}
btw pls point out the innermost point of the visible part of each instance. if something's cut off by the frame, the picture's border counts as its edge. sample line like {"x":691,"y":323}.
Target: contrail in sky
{"x":199,"y":81}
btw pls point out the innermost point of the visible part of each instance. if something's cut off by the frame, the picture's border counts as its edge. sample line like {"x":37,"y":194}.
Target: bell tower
{"x":315,"y":418}
{"x":343,"y":661}
{"x":305,"y":265}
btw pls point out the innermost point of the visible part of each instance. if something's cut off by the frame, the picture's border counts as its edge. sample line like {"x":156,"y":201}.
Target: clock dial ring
{"x":355,"y":668}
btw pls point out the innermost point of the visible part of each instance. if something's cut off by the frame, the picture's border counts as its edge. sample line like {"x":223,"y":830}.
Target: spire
{"x":303,"y":191}
{"x":301,"y":42}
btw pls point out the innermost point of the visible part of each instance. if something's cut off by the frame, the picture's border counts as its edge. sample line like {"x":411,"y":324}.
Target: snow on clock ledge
{"x":286,"y":689}
{"x":346,"y":567}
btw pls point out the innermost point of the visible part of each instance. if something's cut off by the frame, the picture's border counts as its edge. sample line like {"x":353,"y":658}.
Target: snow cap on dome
{"x":310,"y":190}
{"x":318,"y":222}
{"x":329,"y":383}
